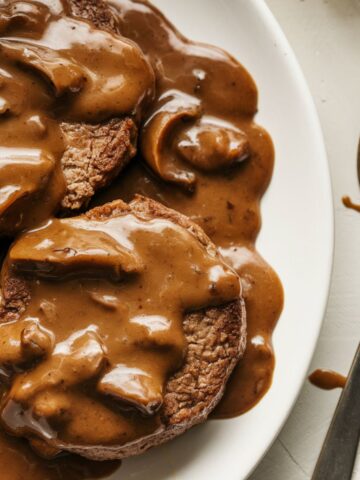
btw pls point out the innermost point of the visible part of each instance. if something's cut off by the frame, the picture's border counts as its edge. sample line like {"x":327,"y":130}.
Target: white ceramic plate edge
{"x":294,"y":65}
{"x":187,"y":457}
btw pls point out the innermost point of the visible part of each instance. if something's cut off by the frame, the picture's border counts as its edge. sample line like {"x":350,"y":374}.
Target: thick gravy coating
{"x":199,"y":89}
{"x":102,"y":327}
{"x":55,"y":69}
{"x":200,"y":153}
{"x":19,"y":462}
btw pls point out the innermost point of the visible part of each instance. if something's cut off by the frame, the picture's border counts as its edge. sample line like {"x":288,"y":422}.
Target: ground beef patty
{"x":216,"y":339}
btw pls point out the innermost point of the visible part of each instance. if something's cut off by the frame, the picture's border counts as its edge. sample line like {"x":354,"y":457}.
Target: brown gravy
{"x":87,"y":338}
{"x":224,"y":203}
{"x":19,"y":462}
{"x":327,"y":379}
{"x":348,"y":203}
{"x":204,"y":98}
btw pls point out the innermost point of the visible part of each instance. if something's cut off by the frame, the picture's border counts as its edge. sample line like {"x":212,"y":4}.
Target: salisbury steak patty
{"x":215,"y":340}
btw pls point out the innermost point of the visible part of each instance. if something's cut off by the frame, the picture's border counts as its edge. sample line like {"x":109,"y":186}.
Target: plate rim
{"x":274,"y":31}
{"x":274,"y":26}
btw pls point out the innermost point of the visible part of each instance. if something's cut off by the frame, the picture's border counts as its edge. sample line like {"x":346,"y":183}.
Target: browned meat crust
{"x":216,"y":339}
{"x":94,"y":155}
{"x":96,"y":11}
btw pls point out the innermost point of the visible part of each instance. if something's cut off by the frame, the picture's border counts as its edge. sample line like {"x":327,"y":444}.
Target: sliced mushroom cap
{"x":79,"y":358}
{"x":21,"y":17}
{"x":133,"y":386}
{"x":73,"y":247}
{"x":63,"y":73}
{"x":178,"y":107}
{"x":35,"y":341}
{"x":211,"y":145}
{"x":109,"y":73}
{"x":23,"y":340}
{"x":177,"y":135}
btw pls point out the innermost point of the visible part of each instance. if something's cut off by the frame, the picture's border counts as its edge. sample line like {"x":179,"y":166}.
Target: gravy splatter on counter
{"x":327,"y":379}
{"x":348,"y":203}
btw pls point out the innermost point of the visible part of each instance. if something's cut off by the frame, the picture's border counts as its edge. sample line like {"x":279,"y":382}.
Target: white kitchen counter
{"x":325,"y":35}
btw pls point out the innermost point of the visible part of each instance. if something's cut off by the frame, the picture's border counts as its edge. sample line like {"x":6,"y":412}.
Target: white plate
{"x":297,"y":239}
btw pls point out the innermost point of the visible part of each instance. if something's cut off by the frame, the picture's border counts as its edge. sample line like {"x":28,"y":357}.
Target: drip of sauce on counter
{"x":205,"y":97}
{"x":96,"y":337}
{"x":348,"y":203}
{"x":55,"y":69}
{"x":327,"y":379}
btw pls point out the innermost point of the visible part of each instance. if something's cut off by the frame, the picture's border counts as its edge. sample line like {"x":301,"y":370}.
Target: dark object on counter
{"x":337,"y":458}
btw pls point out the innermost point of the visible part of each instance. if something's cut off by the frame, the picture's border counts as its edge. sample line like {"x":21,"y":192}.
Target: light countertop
{"x":325,"y":35}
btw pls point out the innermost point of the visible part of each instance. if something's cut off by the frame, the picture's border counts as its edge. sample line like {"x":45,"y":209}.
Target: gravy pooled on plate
{"x":200,"y":153}
{"x":206,"y":101}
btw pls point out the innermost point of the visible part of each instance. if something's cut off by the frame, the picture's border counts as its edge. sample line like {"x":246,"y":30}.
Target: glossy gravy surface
{"x":203,"y":155}
{"x":224,"y":201}
{"x":103,"y":328}
{"x":327,"y":379}
{"x":19,"y":462}
{"x":348,"y":203}
{"x":55,"y":69}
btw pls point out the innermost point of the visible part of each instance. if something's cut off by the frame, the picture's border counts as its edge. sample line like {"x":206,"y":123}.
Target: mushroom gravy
{"x":200,"y":153}
{"x":206,"y":98}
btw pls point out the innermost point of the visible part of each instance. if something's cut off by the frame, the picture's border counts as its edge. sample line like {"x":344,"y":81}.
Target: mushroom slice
{"x":64,"y":248}
{"x":133,"y":386}
{"x":23,"y":18}
{"x":79,"y":358}
{"x":64,"y":74}
{"x":23,"y":340}
{"x":212,"y":144}
{"x":177,"y":108}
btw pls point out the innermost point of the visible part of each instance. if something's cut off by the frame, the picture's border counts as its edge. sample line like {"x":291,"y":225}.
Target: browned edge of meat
{"x":94,"y":154}
{"x":216,"y":339}
{"x":96,"y":11}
